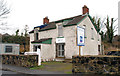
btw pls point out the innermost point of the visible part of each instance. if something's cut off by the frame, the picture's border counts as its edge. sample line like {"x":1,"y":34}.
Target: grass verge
{"x":37,"y":67}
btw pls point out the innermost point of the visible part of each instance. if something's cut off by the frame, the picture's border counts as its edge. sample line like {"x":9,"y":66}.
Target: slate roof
{"x":76,"y":20}
{"x":72,"y":21}
{"x":49,"y":26}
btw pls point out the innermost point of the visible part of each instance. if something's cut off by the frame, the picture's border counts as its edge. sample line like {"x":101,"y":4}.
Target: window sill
{"x":60,"y":37}
{"x":60,"y":57}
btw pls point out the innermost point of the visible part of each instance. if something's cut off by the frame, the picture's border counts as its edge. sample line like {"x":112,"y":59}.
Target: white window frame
{"x":60,"y":50}
{"x":8,"y":49}
{"x":60,"y":30}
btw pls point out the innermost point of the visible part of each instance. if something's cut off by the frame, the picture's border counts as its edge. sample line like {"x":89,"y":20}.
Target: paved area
{"x":8,"y":72}
{"x":24,"y":70}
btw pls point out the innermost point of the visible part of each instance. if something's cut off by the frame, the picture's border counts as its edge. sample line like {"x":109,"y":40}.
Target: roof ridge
{"x":67,"y":18}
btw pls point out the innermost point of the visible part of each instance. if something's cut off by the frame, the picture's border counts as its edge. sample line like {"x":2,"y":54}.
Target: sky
{"x":32,"y":12}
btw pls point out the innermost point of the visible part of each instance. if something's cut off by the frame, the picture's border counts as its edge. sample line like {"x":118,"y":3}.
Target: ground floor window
{"x":99,"y":49}
{"x":60,"y":50}
{"x":8,"y":49}
{"x":36,"y":46}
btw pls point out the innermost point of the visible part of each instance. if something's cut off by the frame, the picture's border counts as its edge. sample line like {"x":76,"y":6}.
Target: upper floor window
{"x":36,"y":34}
{"x":92,"y":35}
{"x":60,"y":30}
{"x":8,"y":49}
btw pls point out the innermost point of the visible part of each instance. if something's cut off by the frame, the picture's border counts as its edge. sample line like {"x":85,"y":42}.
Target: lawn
{"x":55,"y":67}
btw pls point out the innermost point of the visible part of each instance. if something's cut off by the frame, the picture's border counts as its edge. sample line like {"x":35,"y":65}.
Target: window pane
{"x":36,"y":36}
{"x":60,"y":31}
{"x":59,"y":47}
{"x":62,"y":47}
{"x":62,"y":53}
{"x":59,"y":53}
{"x":8,"y":49}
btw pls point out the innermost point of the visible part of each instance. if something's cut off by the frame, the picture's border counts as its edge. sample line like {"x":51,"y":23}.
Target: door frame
{"x":57,"y":44}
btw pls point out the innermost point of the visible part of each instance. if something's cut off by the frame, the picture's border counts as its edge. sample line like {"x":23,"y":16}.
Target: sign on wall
{"x":60,"y":40}
{"x":80,"y":36}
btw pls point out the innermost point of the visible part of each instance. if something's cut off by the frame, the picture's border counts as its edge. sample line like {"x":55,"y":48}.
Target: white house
{"x":58,"y":39}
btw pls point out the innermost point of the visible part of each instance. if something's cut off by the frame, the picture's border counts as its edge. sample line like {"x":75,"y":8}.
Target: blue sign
{"x":80,"y":36}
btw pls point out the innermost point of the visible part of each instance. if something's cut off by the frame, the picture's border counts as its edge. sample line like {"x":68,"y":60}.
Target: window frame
{"x":60,"y":30}
{"x":37,"y":36}
{"x":92,"y":35}
{"x":60,"y":50}
{"x":8,"y":49}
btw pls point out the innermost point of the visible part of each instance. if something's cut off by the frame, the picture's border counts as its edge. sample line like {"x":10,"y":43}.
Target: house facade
{"x":58,"y":39}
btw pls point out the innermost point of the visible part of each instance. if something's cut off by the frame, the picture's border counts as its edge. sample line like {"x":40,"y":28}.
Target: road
{"x":8,"y":72}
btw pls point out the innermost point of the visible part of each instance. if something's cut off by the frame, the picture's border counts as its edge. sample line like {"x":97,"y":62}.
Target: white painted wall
{"x":71,"y":47}
{"x":91,"y":46}
{"x":31,"y":39}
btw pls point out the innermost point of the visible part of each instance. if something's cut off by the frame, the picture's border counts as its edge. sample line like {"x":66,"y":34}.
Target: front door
{"x":60,"y":50}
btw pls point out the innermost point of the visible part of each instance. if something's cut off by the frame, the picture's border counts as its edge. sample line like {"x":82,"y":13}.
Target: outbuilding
{"x":9,"y":48}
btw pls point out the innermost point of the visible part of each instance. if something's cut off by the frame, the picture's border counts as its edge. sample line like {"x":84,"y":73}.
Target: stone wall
{"x":96,"y":64}
{"x":20,"y":60}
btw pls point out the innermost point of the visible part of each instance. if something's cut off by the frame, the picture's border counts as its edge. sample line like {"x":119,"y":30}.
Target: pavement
{"x":8,"y":72}
{"x":24,"y":70}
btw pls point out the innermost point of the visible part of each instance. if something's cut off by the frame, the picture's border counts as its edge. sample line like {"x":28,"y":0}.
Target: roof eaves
{"x":69,"y":25}
{"x":59,"y":21}
{"x":31,"y":32}
{"x":47,"y":29}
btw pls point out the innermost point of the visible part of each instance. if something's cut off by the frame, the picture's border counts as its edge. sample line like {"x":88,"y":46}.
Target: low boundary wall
{"x":96,"y":64}
{"x":20,"y":60}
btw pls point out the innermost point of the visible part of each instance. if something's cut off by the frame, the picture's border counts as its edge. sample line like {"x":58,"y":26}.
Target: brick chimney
{"x":45,"y":20}
{"x":85,"y":9}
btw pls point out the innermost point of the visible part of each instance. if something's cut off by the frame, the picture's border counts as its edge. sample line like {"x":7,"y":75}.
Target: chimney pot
{"x":85,"y":9}
{"x":45,"y":20}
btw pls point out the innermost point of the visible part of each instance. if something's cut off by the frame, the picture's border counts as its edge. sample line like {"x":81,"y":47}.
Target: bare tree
{"x":99,"y":23}
{"x":4,"y":11}
{"x":26,"y":30}
{"x":110,"y":29}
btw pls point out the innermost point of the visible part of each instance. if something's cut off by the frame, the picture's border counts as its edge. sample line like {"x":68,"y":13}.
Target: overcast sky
{"x":32,"y":12}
